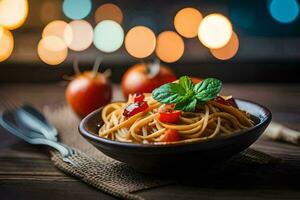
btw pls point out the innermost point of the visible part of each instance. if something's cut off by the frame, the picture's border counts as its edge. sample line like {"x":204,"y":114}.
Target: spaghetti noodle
{"x":210,"y":120}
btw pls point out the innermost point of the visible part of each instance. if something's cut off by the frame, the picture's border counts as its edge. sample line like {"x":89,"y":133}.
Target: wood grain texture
{"x":27,"y":173}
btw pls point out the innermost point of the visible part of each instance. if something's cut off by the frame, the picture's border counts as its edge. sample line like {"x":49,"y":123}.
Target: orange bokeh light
{"x":6,"y":44}
{"x":229,"y":50}
{"x":55,"y":28}
{"x":52,"y":50}
{"x":187,"y":21}
{"x":109,"y":11}
{"x":169,"y":47}
{"x":140,"y":41}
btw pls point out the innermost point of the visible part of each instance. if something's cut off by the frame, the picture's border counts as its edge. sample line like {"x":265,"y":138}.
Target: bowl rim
{"x":96,"y":138}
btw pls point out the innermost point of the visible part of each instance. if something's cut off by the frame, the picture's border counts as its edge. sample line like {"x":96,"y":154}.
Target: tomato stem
{"x":153,"y":68}
{"x":146,"y":65}
{"x":107,"y":73}
{"x":76,"y":66}
{"x":68,"y":78}
{"x":96,"y":66}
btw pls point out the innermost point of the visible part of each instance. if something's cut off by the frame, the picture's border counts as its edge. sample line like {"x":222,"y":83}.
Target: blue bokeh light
{"x":284,"y":11}
{"x":77,"y":9}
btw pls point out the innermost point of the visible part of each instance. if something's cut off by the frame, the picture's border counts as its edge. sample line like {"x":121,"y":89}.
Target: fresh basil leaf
{"x":208,"y":89}
{"x":186,"y":106}
{"x":186,"y":83}
{"x":169,"y":93}
{"x":199,"y":102}
{"x":186,"y":95}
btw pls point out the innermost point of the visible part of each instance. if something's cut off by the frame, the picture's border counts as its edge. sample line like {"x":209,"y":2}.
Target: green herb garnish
{"x":186,"y":95}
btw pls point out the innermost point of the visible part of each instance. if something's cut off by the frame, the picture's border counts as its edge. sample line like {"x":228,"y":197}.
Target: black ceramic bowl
{"x":160,"y":158}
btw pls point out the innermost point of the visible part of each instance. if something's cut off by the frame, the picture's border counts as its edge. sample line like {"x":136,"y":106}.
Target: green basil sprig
{"x":185,"y":95}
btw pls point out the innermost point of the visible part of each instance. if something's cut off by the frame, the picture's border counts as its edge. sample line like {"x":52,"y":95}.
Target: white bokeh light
{"x":78,"y":35}
{"x":13,"y":13}
{"x":215,"y":31}
{"x":108,"y":36}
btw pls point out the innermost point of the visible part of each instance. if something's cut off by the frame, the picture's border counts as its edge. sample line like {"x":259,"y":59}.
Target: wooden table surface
{"x":27,"y":173}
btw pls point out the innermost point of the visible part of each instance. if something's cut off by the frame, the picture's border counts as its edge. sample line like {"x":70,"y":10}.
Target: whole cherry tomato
{"x":87,"y":92}
{"x":138,"y":79}
{"x":195,"y":79}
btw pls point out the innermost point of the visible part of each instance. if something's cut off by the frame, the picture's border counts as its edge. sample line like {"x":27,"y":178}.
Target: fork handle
{"x":56,"y":145}
{"x":35,"y":138}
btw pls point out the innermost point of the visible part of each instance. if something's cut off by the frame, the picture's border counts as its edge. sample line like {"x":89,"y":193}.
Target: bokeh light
{"x":108,"y":36}
{"x":77,"y":9}
{"x":215,"y":31}
{"x":169,"y":46}
{"x":140,"y":41}
{"x":109,"y":11}
{"x":229,"y":50}
{"x":13,"y":13}
{"x":6,"y":44}
{"x":284,"y":11}
{"x":187,"y":21}
{"x":78,"y":35}
{"x":55,"y":28}
{"x":52,"y":50}
{"x":1,"y":32}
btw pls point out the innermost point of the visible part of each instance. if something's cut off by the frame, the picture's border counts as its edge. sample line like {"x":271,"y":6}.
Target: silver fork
{"x":30,"y":118}
{"x":8,"y":120}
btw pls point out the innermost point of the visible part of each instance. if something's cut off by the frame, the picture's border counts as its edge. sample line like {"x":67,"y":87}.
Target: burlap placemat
{"x":112,"y":176}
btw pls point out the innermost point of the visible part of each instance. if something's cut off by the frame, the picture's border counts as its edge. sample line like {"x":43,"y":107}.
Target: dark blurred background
{"x":269,"y":51}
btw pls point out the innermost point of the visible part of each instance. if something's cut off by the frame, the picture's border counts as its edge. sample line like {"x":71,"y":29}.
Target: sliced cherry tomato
{"x":135,"y":108}
{"x":171,"y":136}
{"x":232,"y":102}
{"x":166,"y":108}
{"x":170,"y":117}
{"x":228,"y":102}
{"x":221,"y":100}
{"x":138,"y":97}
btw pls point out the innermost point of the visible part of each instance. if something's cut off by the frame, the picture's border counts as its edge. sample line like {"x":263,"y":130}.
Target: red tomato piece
{"x":139,"y":97}
{"x":232,"y":102}
{"x":135,"y":108}
{"x":171,"y":136}
{"x":170,"y":117}
{"x":228,"y":102}
{"x":221,"y":100}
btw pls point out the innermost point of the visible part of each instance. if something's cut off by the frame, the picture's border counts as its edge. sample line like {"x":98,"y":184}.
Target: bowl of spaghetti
{"x":180,"y":125}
